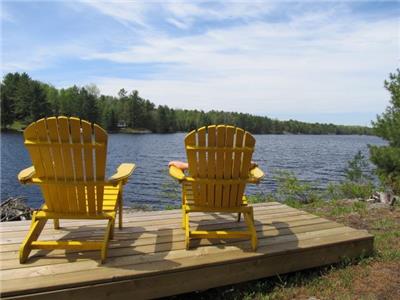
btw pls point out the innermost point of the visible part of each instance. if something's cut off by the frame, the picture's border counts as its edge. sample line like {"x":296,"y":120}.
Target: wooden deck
{"x":147,"y":258}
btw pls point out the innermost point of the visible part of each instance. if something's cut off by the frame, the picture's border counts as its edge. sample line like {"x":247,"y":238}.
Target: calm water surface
{"x":320,"y":158}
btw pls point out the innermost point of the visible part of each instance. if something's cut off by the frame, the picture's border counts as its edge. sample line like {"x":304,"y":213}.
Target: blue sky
{"x":312,"y":61}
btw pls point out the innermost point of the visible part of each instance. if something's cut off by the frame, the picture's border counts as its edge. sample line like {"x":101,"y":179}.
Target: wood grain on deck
{"x":147,"y":258}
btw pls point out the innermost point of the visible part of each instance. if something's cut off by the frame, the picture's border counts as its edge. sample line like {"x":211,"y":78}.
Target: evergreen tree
{"x":23,"y":96}
{"x":204,"y":119}
{"x":52,"y":95}
{"x":162,"y":119}
{"x":7,"y":96}
{"x":148,"y":115}
{"x":39,"y":107}
{"x":70,"y":102}
{"x":89,"y":106}
{"x":7,"y":107}
{"x":110,"y":120}
{"x":387,"y":126}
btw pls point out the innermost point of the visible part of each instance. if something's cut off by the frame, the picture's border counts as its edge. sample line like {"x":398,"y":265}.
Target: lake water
{"x":320,"y":158}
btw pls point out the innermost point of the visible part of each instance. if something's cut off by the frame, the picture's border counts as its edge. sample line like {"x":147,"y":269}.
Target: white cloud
{"x":124,"y":11}
{"x":182,"y":14}
{"x":39,"y":57}
{"x":322,"y":63}
{"x":254,"y":57}
{"x":187,"y":13}
{"x":5,"y":15}
{"x":177,"y":23}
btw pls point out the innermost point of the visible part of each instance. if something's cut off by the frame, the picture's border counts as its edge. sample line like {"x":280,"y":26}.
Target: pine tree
{"x":23,"y":97}
{"x":387,"y":126}
{"x":110,"y":120}
{"x":89,"y":106}
{"x":39,"y":107}
{"x":7,"y":96}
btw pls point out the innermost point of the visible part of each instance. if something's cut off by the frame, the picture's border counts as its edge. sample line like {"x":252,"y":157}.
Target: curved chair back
{"x":69,"y":157}
{"x":219,"y":160}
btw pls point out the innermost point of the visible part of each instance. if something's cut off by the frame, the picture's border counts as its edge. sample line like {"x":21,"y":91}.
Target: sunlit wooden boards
{"x":147,"y":257}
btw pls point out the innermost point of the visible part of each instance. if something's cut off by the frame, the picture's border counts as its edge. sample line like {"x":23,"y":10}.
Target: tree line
{"x":25,"y":100}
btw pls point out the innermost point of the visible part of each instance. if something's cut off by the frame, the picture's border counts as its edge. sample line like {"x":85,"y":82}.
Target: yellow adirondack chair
{"x":220,"y":166}
{"x":69,"y":162}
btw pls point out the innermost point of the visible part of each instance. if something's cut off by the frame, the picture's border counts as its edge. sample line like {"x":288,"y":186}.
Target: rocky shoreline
{"x":15,"y":209}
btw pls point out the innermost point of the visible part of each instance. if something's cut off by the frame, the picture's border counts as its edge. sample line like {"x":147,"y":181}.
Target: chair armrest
{"x":176,"y":173}
{"x":256,"y":174}
{"x":122,"y":174}
{"x":26,"y":175}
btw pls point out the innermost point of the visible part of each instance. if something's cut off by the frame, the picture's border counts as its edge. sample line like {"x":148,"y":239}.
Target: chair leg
{"x":120,"y":209}
{"x":187,"y":231}
{"x":249,"y":218}
{"x":56,"y":223}
{"x":112,"y":230}
{"x":183,"y":206}
{"x":238,"y":218}
{"x":34,"y":232}
{"x":183,"y":218}
{"x":107,"y":236}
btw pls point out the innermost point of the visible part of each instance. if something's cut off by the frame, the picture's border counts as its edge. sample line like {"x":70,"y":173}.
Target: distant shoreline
{"x":147,"y":131}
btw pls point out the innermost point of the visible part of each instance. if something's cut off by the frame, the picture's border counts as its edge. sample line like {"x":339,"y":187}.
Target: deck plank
{"x":149,"y":251}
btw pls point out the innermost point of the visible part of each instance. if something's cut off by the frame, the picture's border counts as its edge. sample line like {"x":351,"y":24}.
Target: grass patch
{"x":260,"y":198}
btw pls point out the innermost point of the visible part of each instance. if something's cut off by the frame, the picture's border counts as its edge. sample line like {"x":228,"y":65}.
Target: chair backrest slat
{"x":70,"y":154}
{"x":69,"y":174}
{"x":219,"y":171}
{"x":237,"y":163}
{"x":222,"y":155}
{"x":57,"y":162}
{"x":78,"y":162}
{"x":230,"y":130}
{"x":202,"y":164}
{"x":211,"y":164}
{"x":101,"y":138}
{"x":191,"y":139}
{"x":249,"y":141}
{"x":47,"y":160}
{"x":30,"y":133}
{"x":88,"y":166}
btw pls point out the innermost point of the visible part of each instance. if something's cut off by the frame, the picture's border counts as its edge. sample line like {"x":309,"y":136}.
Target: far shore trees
{"x":25,"y":100}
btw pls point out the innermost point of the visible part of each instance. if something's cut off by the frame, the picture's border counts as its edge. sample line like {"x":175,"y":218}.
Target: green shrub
{"x":358,"y":183}
{"x":171,"y":207}
{"x":387,"y":161}
{"x":292,"y":190}
{"x":350,"y":189}
{"x":260,"y":198}
{"x":333,"y":192}
{"x":356,"y":169}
